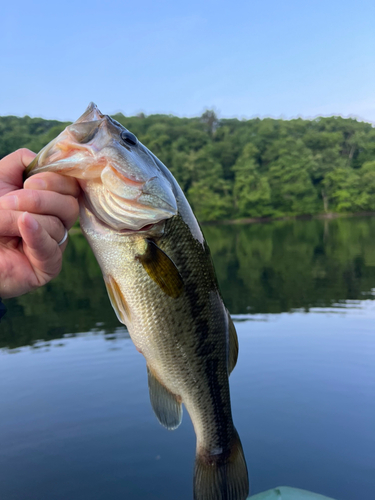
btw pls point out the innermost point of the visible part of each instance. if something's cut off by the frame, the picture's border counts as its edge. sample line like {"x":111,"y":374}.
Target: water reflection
{"x":268,"y":268}
{"x":77,"y":409}
{"x":279,"y":267}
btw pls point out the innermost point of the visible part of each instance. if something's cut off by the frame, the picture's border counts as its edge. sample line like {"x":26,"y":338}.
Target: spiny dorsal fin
{"x":166,"y":406}
{"x":117,"y":299}
{"x":233,"y":345}
{"x":162,"y":270}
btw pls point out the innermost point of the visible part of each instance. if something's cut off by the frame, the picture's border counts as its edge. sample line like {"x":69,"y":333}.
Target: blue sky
{"x":243,"y":58}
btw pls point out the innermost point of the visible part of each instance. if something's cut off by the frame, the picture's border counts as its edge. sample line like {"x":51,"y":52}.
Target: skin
{"x":32,"y":222}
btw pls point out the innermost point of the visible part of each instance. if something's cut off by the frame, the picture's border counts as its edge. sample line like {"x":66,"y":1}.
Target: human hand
{"x":32,"y":222}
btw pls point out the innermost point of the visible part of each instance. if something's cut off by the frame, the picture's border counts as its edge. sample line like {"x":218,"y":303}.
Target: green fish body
{"x":162,"y":285}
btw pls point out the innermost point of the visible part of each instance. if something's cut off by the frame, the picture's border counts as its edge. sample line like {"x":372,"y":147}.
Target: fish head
{"x":123,"y":184}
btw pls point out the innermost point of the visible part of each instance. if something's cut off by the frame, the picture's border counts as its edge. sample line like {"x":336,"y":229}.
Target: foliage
{"x":232,"y":169}
{"x":261,"y":268}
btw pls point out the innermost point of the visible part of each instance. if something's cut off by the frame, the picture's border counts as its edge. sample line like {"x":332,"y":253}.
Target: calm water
{"x":76,"y":422}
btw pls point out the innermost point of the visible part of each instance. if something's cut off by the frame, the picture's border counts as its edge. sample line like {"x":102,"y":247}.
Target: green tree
{"x":252,"y":192}
{"x":233,"y":168}
{"x":290,"y":179}
{"x":209,"y":194}
{"x":342,"y":188}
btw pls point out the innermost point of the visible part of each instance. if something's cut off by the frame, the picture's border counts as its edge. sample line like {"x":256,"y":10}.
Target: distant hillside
{"x":232,"y":169}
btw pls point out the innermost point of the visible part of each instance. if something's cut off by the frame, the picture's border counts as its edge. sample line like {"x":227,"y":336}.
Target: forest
{"x":234,"y":169}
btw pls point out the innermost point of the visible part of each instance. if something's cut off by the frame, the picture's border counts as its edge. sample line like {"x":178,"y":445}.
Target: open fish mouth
{"x":121,"y":181}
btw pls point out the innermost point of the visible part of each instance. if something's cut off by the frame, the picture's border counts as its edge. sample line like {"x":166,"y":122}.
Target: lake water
{"x":76,"y":422}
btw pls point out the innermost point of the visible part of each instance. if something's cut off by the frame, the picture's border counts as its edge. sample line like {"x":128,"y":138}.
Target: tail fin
{"x":221,"y":476}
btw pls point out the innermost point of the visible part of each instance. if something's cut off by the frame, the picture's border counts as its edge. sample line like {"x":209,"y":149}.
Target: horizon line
{"x":217,"y":112}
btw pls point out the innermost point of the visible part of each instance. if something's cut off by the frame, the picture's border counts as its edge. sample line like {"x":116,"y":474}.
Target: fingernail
{"x":29,"y":221}
{"x":10,"y":202}
{"x":35,"y":183}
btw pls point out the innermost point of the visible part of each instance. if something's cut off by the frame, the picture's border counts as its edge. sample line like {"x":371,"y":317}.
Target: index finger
{"x":12,"y":168}
{"x":50,"y":181}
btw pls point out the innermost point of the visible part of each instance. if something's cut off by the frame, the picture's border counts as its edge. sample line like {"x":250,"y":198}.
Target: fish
{"x":161,"y":282}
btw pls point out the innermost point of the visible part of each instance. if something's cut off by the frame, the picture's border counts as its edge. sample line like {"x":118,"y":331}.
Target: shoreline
{"x":267,"y":220}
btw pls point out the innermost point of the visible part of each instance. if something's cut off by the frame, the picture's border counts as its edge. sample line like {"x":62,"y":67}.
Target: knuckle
{"x":13,"y":218}
{"x":57,"y":227}
{"x":36,"y":200}
{"x":24,"y":155}
{"x":53,"y":226}
{"x":73,"y":205}
{"x":22,"y":151}
{"x":10,"y":218}
{"x":57,"y":263}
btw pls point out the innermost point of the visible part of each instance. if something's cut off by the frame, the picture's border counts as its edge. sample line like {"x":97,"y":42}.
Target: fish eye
{"x":129,"y":138}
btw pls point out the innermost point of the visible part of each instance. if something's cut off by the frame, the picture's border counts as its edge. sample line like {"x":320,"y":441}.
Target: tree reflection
{"x":273,"y":268}
{"x":261,"y":268}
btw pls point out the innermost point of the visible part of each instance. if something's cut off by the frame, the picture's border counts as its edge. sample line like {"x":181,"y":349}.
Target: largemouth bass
{"x":162,"y":285}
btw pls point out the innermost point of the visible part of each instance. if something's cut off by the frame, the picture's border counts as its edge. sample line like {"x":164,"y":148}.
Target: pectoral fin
{"x":166,"y":406}
{"x":162,"y":270}
{"x":117,"y":299}
{"x":233,"y":345}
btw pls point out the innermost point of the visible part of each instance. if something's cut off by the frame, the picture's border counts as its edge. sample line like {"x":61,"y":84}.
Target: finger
{"x":9,"y":226}
{"x":42,"y":251}
{"x":65,"y":207}
{"x":50,"y":181}
{"x":13,"y":166}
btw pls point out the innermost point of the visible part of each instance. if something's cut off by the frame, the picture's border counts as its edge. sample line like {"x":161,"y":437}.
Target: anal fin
{"x":166,"y":406}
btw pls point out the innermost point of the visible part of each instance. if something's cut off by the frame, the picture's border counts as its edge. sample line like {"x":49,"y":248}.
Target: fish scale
{"x":162,"y":284}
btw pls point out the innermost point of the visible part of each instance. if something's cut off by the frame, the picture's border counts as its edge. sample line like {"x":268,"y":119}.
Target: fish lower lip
{"x":147,"y":227}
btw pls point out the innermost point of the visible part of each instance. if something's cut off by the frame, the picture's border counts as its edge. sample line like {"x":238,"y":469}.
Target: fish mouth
{"x":125,"y":213}
{"x":70,"y":142}
{"x":69,"y":156}
{"x":94,"y":214}
{"x":123,"y":186}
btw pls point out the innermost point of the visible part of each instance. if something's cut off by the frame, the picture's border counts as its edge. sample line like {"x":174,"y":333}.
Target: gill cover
{"x":123,"y":185}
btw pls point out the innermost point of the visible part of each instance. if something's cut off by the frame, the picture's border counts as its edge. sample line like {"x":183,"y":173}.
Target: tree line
{"x":233,"y":169}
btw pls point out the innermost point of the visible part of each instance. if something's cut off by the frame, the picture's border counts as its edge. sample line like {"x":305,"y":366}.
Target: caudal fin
{"x":221,"y":476}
